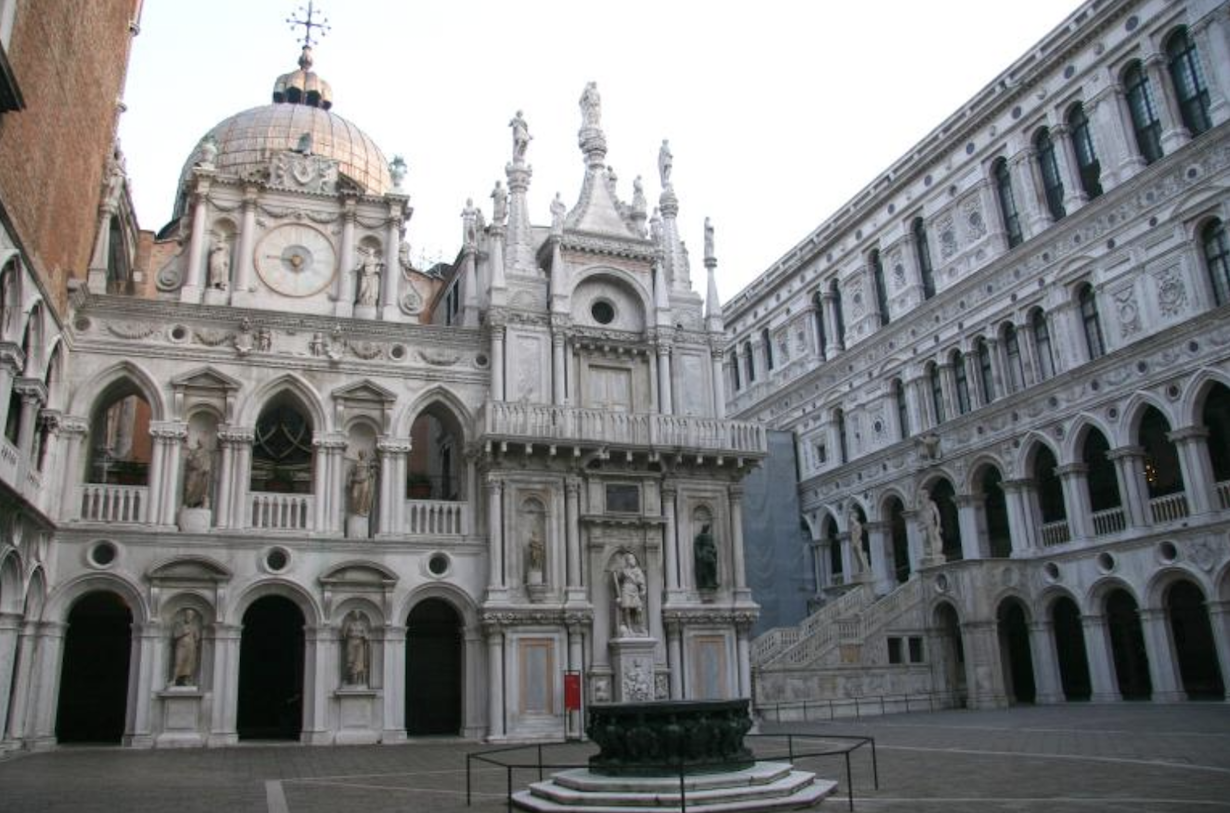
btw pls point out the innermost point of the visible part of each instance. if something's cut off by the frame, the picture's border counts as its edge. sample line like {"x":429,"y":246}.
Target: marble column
{"x":1163,"y":665}
{"x":674,"y":655}
{"x":495,"y":532}
{"x":1065,"y":157}
{"x":1022,"y":529}
{"x":192,"y":287}
{"x":719,"y":383}
{"x":10,"y":626}
{"x":225,"y":684}
{"x":344,"y":286}
{"x":1104,"y":682}
{"x":393,"y":453}
{"x":389,"y":310}
{"x":1107,"y":111}
{"x":146,"y":638}
{"x":1048,"y":681}
{"x":833,"y":343}
{"x":393,"y":640}
{"x":1191,"y":443}
{"x":495,"y":682}
{"x":497,"y":361}
{"x":915,"y":539}
{"x":743,"y":654}
{"x":241,"y":293}
{"x":670,"y":541}
{"x":1073,"y":477}
{"x":238,"y":480}
{"x":883,"y":567}
{"x":572,"y":531}
{"x":948,"y":389}
{"x":1133,"y":490}
{"x":21,"y":710}
{"x":736,"y":538}
{"x":971,"y":526}
{"x":574,"y":725}
{"x":1034,"y":215}
{"x":1174,"y":134}
{"x":45,"y":684}
{"x":320,"y":648}
{"x":973,"y":381}
{"x":665,"y":402}
{"x":984,"y":673}
{"x":1219,"y":621}
{"x":558,"y":379}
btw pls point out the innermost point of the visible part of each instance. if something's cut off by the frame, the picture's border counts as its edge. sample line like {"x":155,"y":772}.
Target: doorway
{"x":271,"y":671}
{"x":433,"y":669}
{"x":93,"y":701}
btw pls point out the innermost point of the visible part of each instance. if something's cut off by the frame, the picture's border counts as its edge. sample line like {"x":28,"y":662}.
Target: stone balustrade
{"x":105,"y":502}
{"x":281,"y":512}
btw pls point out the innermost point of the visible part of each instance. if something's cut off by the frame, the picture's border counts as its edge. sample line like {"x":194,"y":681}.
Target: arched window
{"x":937,"y":392}
{"x":1100,"y":477}
{"x":840,"y":327}
{"x":120,"y":444}
{"x":923,"y":248}
{"x":1163,"y":474}
{"x":877,"y":278}
{"x":1087,"y":164}
{"x":995,"y":513}
{"x":1217,"y":259}
{"x":839,"y":425}
{"x":435,"y":463}
{"x":1052,"y":182}
{"x":1090,"y":322}
{"x":1190,"y":89}
{"x":749,"y":362}
{"x":986,"y":373}
{"x":903,"y":410}
{"x":1042,"y":344}
{"x":1216,"y":418}
{"x":1015,"y":379}
{"x":1050,"y":491}
{"x":767,"y":341}
{"x":1143,"y":109}
{"x":961,"y":381}
{"x":734,"y":370}
{"x":282,"y":449}
{"x":828,"y":533}
{"x":818,"y":306}
{"x":1007,"y":203}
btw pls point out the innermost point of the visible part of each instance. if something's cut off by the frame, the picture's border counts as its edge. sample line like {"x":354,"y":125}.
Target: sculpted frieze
{"x":132,"y":330}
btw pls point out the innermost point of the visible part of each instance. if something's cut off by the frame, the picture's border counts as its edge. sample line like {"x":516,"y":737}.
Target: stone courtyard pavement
{"x":1125,"y":757}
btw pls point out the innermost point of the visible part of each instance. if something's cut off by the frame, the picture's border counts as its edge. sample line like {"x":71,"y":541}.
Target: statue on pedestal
{"x":369,"y":279}
{"x":359,"y":486}
{"x":929,"y":518}
{"x":219,"y":265}
{"x":355,"y":649}
{"x":198,"y":470}
{"x":666,"y":162}
{"x":185,"y":647}
{"x":630,"y":590}
{"x":704,"y":559}
{"x":855,"y":524}
{"x":521,"y":137}
{"x":591,"y":107}
{"x":535,"y":557}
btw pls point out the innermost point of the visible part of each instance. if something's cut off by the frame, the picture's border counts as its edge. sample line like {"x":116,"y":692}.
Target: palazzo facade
{"x":1006,"y":368}
{"x":270,"y":480}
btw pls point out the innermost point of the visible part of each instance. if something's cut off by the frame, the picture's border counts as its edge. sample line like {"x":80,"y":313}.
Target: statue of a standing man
{"x":185,"y":647}
{"x":630,"y":590}
{"x":521,"y":137}
{"x":359,"y":486}
{"x":666,"y":162}
{"x":591,"y":107}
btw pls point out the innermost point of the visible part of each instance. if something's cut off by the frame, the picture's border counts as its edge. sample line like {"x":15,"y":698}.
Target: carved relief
{"x":1128,"y":311}
{"x":896,"y":263}
{"x":975,"y":226}
{"x":307,"y":173}
{"x":1171,"y":292}
{"x":948,"y":237}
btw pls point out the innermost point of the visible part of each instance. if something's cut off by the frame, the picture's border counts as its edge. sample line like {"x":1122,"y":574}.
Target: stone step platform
{"x":767,"y":786}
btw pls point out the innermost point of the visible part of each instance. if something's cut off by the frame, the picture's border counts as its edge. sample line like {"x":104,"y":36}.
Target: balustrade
{"x":437,"y":518}
{"x":1169,"y":507}
{"x":1056,"y":533}
{"x":281,"y":512}
{"x":104,"y":502}
{"x":1110,"y":521}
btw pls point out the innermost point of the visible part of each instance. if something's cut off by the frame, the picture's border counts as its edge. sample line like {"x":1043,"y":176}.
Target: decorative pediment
{"x":364,"y":392}
{"x":205,"y":378}
{"x":188,"y":570}
{"x":359,"y":576}
{"x":303,"y":172}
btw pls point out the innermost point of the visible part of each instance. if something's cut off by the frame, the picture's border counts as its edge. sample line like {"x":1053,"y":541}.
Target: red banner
{"x":572,"y":691}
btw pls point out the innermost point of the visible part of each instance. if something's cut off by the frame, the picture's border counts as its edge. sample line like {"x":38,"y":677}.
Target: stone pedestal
{"x":933,"y":561}
{"x":632,"y":660}
{"x":217,"y":296}
{"x":364,"y":311}
{"x":181,"y":717}
{"x":357,"y":720}
{"x":356,"y":526}
{"x":195,"y":520}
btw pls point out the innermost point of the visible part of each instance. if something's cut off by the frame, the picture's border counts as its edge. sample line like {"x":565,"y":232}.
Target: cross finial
{"x":308,"y":13}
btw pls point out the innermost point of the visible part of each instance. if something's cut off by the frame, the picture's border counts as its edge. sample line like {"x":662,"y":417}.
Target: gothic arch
{"x":934,"y":475}
{"x":36,"y":595}
{"x":1221,"y":584}
{"x":977,"y":467}
{"x":12,"y":597}
{"x":85,"y":399}
{"x":251,"y":407}
{"x":881,"y":503}
{"x":11,"y":279}
{"x":53,"y":372}
{"x":1071,"y":448}
{"x":36,"y":332}
{"x":1191,"y":405}
{"x":272,"y":586}
{"x":61,"y":601}
{"x":1030,"y":445}
{"x":438,"y":394}
{"x":1133,"y":411}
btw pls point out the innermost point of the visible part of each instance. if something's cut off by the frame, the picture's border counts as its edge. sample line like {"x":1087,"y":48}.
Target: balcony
{"x":436,"y":518}
{"x":107,"y":502}
{"x":281,"y":512}
{"x":1169,"y":508}
{"x":556,"y":424}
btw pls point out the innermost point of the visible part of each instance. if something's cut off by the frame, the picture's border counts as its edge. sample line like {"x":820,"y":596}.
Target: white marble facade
{"x":409,"y":491}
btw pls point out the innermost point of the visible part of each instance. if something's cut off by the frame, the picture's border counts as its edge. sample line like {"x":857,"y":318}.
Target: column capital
{"x":1125,"y":452}
{"x":390,"y":445}
{"x":168,"y":430}
{"x":329,"y":441}
{"x":495,"y":482}
{"x":1072,"y":469}
{"x":1186,"y":434}
{"x":237,"y":435}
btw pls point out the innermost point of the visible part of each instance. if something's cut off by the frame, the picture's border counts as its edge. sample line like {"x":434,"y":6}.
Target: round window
{"x":603,"y":312}
{"x":438,"y":564}
{"x":1106,"y":562}
{"x":276,"y":559}
{"x":103,"y":554}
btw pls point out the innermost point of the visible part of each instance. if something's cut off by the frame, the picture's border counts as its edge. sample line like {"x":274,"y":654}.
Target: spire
{"x":674,"y":254}
{"x":519,"y":251}
{"x":303,"y":86}
{"x":598,"y":211}
{"x":713,"y":307}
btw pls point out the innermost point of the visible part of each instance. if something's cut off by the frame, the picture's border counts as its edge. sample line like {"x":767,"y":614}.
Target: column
{"x":1212,"y":39}
{"x":23,"y":677}
{"x":10,"y":624}
{"x":1117,"y":153}
{"x":1022,"y":529}
{"x":557,"y":367}
{"x":572,"y":531}
{"x":240,"y":439}
{"x":1028,"y":201}
{"x":1104,"y":683}
{"x":146,"y":638}
{"x":1065,"y":156}
{"x":320,"y":646}
{"x":344,"y":287}
{"x":225,"y":481}
{"x":1163,"y":665}
{"x":665,"y":405}
{"x":984,"y":673}
{"x":1072,"y":477}
{"x":1049,"y":683}
{"x":33,"y":395}
{"x":969,"y":521}
{"x":670,"y":541}
{"x":191,"y":290}
{"x":45,"y":684}
{"x":915,"y":540}
{"x":997,"y":233}
{"x":495,"y":533}
{"x":917,"y":401}
{"x":497,"y":360}
{"x":674,"y":657}
{"x":393,"y":452}
{"x":833,"y":343}
{"x":1133,"y":491}
{"x":948,"y":388}
{"x":1191,"y":442}
{"x":743,"y":654}
{"x":1174,"y":134}
{"x":225,"y":684}
{"x":575,"y":724}
{"x":392,"y":638}
{"x":392,"y":268}
{"x":973,"y":380}
{"x":882,"y":564}
{"x":736,"y":538}
{"x":719,"y":383}
{"x":495,"y":681}
{"x":1219,"y":620}
{"x":247,"y":245}
{"x":73,"y":432}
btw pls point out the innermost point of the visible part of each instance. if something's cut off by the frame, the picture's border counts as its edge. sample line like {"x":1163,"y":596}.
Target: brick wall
{"x":69,"y":58}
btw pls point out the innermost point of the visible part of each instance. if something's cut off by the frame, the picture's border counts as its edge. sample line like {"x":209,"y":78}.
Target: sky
{"x":778,"y":111}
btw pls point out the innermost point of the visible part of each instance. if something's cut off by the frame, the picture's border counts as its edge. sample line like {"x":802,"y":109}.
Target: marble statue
{"x":929,"y":518}
{"x":704,"y":559}
{"x":630,"y":589}
{"x":317,"y":346}
{"x":666,"y":163}
{"x":198,"y":467}
{"x":558,"y":211}
{"x":639,"y":205}
{"x":355,"y":649}
{"x":116,"y":174}
{"x":397,"y":171}
{"x":520,"y":136}
{"x":655,"y":226}
{"x":209,"y":152}
{"x":591,"y":107}
{"x":359,"y":486}
{"x":469,"y":220}
{"x":185,"y":647}
{"x":499,"y":204}
{"x":709,"y":255}
{"x":219,"y":265}
{"x":536,"y":553}
{"x":855,"y":524}
{"x":369,"y":279}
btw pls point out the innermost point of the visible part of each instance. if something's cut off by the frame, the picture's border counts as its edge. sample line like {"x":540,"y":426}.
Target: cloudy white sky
{"x":777,"y":111}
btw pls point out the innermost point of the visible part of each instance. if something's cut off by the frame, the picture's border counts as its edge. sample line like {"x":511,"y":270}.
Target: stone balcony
{"x":653,"y":432}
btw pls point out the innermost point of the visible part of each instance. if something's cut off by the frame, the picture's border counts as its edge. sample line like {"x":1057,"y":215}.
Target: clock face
{"x":296,"y":260}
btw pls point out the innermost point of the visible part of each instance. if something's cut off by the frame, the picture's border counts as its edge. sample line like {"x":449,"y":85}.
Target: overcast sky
{"x":777,"y":112}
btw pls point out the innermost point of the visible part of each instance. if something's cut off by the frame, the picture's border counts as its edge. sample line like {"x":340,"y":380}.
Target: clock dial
{"x":296,"y":260}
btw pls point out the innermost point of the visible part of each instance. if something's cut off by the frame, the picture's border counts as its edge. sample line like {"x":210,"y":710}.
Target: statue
{"x":855,"y":524}
{"x":704,"y":559}
{"x":209,"y":152}
{"x":709,"y":255}
{"x":264,"y":340}
{"x":185,"y":647}
{"x":359,"y":486}
{"x":639,"y":205}
{"x":219,"y":265}
{"x":666,"y":162}
{"x":469,"y":221}
{"x":655,"y":226}
{"x":317,"y":346}
{"x":630,"y":588}
{"x":198,"y":467}
{"x":521,"y":137}
{"x":591,"y":107}
{"x":369,"y":279}
{"x":116,"y":175}
{"x":929,"y":518}
{"x":305,"y":144}
{"x":499,"y":205}
{"x":355,"y":649}
{"x":558,"y":210}
{"x":397,"y":171}
{"x":536,"y":554}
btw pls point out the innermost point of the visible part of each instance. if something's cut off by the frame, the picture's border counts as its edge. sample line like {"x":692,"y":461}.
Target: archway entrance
{"x":1193,"y":641}
{"x":1127,"y":643}
{"x":271,"y":671}
{"x":1070,"y":649}
{"x":1014,"y":650}
{"x":94,"y":672}
{"x":951,"y":652}
{"x":433,"y":669}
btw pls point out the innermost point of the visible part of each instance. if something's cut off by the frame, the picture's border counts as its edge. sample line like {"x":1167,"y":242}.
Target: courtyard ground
{"x":1123,"y":757}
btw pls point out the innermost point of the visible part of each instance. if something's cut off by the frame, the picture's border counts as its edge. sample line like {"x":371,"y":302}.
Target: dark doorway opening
{"x":1070,"y":650}
{"x":951,"y":651}
{"x":1018,"y":660}
{"x":271,"y":671}
{"x":1127,"y":643}
{"x":93,"y":700}
{"x":1193,"y":641}
{"x":433,"y":669}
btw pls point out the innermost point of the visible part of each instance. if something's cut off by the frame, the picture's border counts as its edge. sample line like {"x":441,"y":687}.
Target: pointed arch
{"x":250,"y":408}
{"x":1074,"y":439}
{"x":975,"y":469}
{"x":86,"y":397}
{"x":438,"y":394}
{"x":12,"y":596}
{"x":1133,"y":411}
{"x":1030,"y":445}
{"x":1191,"y":404}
